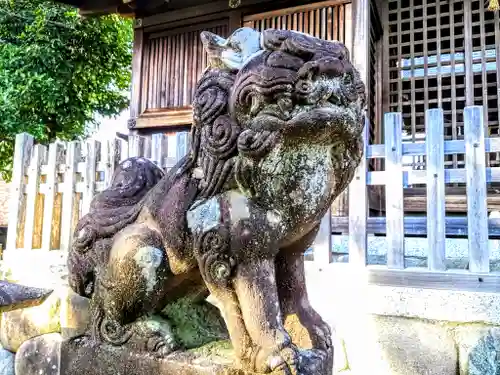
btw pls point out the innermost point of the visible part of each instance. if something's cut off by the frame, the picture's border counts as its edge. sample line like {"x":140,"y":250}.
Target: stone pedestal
{"x":85,"y":357}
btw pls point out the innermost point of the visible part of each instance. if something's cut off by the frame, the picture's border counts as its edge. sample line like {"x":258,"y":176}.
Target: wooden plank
{"x":50,"y":195}
{"x":419,"y":177}
{"x":322,"y":247}
{"x":93,"y":147}
{"x":137,"y":53}
{"x":22,"y":155}
{"x":469,"y":73}
{"x":419,"y":148}
{"x":182,"y":148}
{"x":106,"y":146}
{"x":454,"y":127}
{"x":73,"y":155}
{"x":115,"y":147}
{"x":420,"y":278}
{"x":136,"y":146}
{"x":124,"y":148}
{"x":394,"y":190}
{"x":476,"y":189}
{"x":456,"y":226}
{"x":361,"y":44}
{"x":158,"y":149}
{"x":147,"y":148}
{"x":166,"y":118}
{"x":358,"y":205}
{"x":38,"y":158}
{"x":435,"y":189}
{"x":171,"y":159}
{"x":293,"y":10}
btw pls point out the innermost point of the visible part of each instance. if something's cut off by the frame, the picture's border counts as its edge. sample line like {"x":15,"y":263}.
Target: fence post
{"x":90,"y":174}
{"x":37,"y":159}
{"x":50,"y":194}
{"x":136,"y":146}
{"x":394,"y":190}
{"x":22,"y":154}
{"x":358,"y":205}
{"x":434,"y":130}
{"x":73,"y":156}
{"x":182,"y":142}
{"x":477,"y":213}
{"x":158,"y":149}
{"x":171,"y":156}
{"x":322,"y":247}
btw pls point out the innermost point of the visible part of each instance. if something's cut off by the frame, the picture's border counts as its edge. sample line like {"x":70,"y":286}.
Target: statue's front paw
{"x":283,"y":362}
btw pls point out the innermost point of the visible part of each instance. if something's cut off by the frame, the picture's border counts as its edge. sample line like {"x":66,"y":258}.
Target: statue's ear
{"x":212,"y":42}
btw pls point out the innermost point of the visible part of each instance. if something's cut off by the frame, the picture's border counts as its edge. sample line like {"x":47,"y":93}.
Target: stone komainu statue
{"x":277,"y":135}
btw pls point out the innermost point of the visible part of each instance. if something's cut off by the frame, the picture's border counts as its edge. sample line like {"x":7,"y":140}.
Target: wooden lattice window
{"x":443,"y":53}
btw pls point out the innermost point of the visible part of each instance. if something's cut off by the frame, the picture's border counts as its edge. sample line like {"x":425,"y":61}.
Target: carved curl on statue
{"x":277,"y":135}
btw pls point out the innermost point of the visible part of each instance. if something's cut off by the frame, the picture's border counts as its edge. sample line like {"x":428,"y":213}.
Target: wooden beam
{"x":135,"y":101}
{"x":422,"y":278}
{"x":171,"y":117}
{"x":295,"y":9}
{"x":361,"y":45}
{"x":416,"y":226}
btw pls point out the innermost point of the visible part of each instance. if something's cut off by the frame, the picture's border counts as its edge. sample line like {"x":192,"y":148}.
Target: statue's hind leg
{"x":130,"y":289}
{"x":293,"y":292}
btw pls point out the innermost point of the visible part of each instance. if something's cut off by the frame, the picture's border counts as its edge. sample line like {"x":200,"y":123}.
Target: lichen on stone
{"x":195,"y":323}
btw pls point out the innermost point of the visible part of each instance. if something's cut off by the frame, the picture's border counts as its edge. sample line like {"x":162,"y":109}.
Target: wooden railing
{"x":476,"y":225}
{"x":52,"y":188}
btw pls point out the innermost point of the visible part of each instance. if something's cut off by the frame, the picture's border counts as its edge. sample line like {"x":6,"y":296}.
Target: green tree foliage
{"x":57,"y":71}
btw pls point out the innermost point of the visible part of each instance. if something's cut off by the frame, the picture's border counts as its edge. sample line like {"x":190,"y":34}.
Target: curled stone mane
{"x":215,"y":134}
{"x":110,"y":211}
{"x":117,"y":206}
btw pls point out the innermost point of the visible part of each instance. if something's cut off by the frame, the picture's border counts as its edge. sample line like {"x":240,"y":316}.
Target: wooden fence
{"x":436,"y":225}
{"x":52,"y":187}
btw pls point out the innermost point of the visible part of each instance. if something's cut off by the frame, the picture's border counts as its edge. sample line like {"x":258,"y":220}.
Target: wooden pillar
{"x":135,"y":96}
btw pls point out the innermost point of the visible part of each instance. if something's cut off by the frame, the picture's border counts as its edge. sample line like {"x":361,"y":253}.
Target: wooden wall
{"x":169,"y":57}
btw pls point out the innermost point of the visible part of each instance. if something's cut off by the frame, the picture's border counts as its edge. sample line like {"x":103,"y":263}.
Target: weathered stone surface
{"x":74,"y":313}
{"x":14,"y":296}
{"x":19,"y":326}
{"x":39,"y":356}
{"x":82,"y":357}
{"x":400,"y":346}
{"x":479,"y":350}
{"x":6,"y":362}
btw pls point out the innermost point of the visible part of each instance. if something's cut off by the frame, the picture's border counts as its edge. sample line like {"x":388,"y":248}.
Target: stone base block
{"x":82,"y":356}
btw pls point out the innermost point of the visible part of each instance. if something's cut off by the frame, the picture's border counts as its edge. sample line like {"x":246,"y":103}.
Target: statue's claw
{"x":285,"y":363}
{"x":319,"y":331}
{"x":161,"y":346}
{"x":321,"y":335}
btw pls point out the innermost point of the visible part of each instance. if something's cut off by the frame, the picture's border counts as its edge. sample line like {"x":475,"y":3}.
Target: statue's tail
{"x":110,"y":211}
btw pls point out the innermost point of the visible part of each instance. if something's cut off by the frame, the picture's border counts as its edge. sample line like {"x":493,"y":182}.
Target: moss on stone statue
{"x":222,"y":348}
{"x":195,"y":323}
